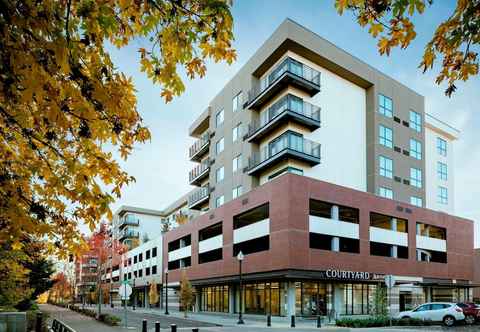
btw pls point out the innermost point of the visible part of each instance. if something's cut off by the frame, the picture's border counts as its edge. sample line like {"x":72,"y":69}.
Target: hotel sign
{"x":349,"y":275}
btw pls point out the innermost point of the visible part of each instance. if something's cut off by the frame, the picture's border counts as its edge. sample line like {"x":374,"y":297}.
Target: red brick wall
{"x":476,"y":278}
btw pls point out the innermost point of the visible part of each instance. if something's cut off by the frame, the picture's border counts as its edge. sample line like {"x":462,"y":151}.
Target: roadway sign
{"x":125,"y":290}
{"x":389,"y":281}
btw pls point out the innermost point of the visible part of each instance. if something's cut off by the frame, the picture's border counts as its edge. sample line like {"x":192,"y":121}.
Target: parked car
{"x":471,"y":312}
{"x":448,"y":313}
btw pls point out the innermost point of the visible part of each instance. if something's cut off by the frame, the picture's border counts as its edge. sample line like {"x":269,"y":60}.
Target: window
{"x":147,"y":271}
{"x":385,"y":192}
{"x":416,"y":177}
{"x":285,"y":170}
{"x":154,"y":269}
{"x":386,"y":136}
{"x":135,"y":259}
{"x":441,"y":146}
{"x":220,"y":174}
{"x":140,"y":273}
{"x":417,"y":201}
{"x":415,"y":121}
{"x":140,"y":257}
{"x":219,"y":118}
{"x":386,"y":167}
{"x":415,"y":149}
{"x":442,"y":197}
{"x":442,"y":171}
{"x":237,"y":102}
{"x":219,"y":201}
{"x":219,"y":146}
{"x":237,"y":191}
{"x":236,"y":132}
{"x":147,"y":254}
{"x":385,"y":106}
{"x":237,"y":163}
{"x":154,"y":252}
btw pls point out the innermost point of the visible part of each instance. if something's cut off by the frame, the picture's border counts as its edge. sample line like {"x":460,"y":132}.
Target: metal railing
{"x":58,"y":326}
{"x":288,"y":65}
{"x":286,"y":103}
{"x":286,"y":141}
{"x":129,"y":220}
{"x":129,"y":233}
{"x":198,"y":195}
{"x":199,"y":169}
{"x":199,"y":144}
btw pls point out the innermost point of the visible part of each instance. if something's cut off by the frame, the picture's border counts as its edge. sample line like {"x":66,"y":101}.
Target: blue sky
{"x":161,"y":166}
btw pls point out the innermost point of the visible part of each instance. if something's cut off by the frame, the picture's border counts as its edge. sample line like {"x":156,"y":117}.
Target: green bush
{"x":380,"y":321}
{"x":111,"y":320}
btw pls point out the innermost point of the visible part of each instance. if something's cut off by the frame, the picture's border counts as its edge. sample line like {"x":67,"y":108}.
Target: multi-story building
{"x":85,"y":276}
{"x":476,"y":267}
{"x":368,"y":193}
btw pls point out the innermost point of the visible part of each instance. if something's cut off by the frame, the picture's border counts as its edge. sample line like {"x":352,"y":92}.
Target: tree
{"x":454,"y":40}
{"x":65,"y":107}
{"x":181,"y":218}
{"x":187,"y":294}
{"x":166,"y":225}
{"x":153,"y":294}
{"x":14,"y":284}
{"x":379,"y":302}
{"x":60,"y":292}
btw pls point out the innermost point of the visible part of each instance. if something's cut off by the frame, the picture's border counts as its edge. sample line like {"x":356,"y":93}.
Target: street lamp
{"x":134,"y":295}
{"x":166,"y":291}
{"x":240,"y":258}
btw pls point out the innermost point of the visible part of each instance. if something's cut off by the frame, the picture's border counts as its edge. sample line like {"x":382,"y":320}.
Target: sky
{"x":161,"y":166}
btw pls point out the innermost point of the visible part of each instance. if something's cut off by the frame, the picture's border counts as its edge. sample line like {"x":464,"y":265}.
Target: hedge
{"x":105,"y":318}
{"x":380,"y":322}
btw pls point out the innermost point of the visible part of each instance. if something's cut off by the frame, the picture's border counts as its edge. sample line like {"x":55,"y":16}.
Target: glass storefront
{"x":310,"y":298}
{"x":357,"y":299}
{"x":262,"y":298}
{"x":215,"y":298}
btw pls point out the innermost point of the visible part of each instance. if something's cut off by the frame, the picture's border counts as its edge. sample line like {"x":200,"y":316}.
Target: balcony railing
{"x":129,"y":220}
{"x":129,"y":234}
{"x":199,"y":172}
{"x":294,"y":72}
{"x":287,"y":145}
{"x":199,"y":196}
{"x":197,"y":149}
{"x":290,"y":106}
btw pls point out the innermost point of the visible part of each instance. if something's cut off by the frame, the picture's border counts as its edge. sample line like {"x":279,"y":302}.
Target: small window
{"x":415,"y":121}
{"x":154,"y":252}
{"x":441,"y":146}
{"x":154,"y":269}
{"x":416,"y":177}
{"x":220,"y":174}
{"x":219,"y":201}
{"x":385,"y":136}
{"x":237,"y":163}
{"x":237,"y":102}
{"x":147,"y":254}
{"x":385,"y":106}
{"x":140,"y":273}
{"x":236,"y":132}
{"x":417,"y":201}
{"x":219,"y":146}
{"x":135,"y":259}
{"x":219,"y":118}
{"x":442,"y":196}
{"x":140,"y":257}
{"x":385,"y":192}
{"x":415,"y":149}
{"x":237,"y":191}
{"x":442,"y":171}
{"x":147,"y":271}
{"x":386,"y":167}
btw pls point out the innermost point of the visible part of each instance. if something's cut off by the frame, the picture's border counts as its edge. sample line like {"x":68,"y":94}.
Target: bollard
{"x":292,"y":321}
{"x":157,"y":326}
{"x":173,"y":328}
{"x":195,"y":329}
{"x":319,"y":321}
{"x":269,"y":320}
{"x":38,"y":325}
{"x":144,"y":325}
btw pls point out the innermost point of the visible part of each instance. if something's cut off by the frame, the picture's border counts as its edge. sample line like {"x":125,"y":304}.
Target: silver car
{"x":448,"y":313}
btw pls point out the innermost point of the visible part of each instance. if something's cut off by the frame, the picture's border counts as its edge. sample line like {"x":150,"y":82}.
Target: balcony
{"x":199,"y":173}
{"x":128,"y":234}
{"x":287,"y":146}
{"x":288,"y":72}
{"x":288,"y":108}
{"x":200,"y":147}
{"x":129,"y":220}
{"x":199,"y":198}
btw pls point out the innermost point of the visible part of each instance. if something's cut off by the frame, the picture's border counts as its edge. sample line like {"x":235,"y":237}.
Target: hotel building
{"x":327,"y":175}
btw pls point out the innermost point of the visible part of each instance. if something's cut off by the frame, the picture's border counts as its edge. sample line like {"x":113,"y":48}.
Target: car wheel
{"x":449,"y":321}
{"x":405,"y":317}
{"x":469,"y":319}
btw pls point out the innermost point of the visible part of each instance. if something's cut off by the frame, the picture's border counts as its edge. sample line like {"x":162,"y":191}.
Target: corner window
{"x":415,"y":149}
{"x":417,"y":201}
{"x":442,"y":171}
{"x":385,"y":192}
{"x":285,"y":170}
{"x":385,"y":136}
{"x":220,"y":174}
{"x":219,"y":118}
{"x":219,"y":146}
{"x":237,"y":102}
{"x":386,"y":167}
{"x":415,"y":121}
{"x":442,"y":196}
{"x":441,"y":146}
{"x":237,"y":191}
{"x":385,"y":106}
{"x":219,"y":201}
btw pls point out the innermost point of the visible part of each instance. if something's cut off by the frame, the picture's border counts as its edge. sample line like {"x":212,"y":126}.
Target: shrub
{"x":380,"y":321}
{"x":111,"y":320}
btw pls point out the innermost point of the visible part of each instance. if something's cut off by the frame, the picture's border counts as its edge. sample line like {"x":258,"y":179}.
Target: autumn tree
{"x":181,"y":218}
{"x":187,"y":294}
{"x":454,"y":44}
{"x":61,"y":290}
{"x":153,"y":294}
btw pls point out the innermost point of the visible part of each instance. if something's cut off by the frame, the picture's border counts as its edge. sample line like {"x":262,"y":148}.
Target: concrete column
{"x":291,"y":299}
{"x":335,"y":243}
{"x":231,"y":299}
{"x":419,"y":255}
{"x":394,"y":251}
{"x":335,"y":212}
{"x":198,"y":299}
{"x":338,"y":302}
{"x":393,"y":224}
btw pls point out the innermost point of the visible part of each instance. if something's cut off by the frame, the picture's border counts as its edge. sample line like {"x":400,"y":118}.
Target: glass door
{"x":296,"y":67}
{"x":295,"y":104}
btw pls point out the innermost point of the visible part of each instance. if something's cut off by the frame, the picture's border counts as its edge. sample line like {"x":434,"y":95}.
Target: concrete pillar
{"x":335,"y":212}
{"x":393,"y":224}
{"x":394,"y":251}
{"x":338,"y":302}
{"x":335,"y":243}
{"x":291,"y":299}
{"x":198,"y":299}
{"x":231,"y":299}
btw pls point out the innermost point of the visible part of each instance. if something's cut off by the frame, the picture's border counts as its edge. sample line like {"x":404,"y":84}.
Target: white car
{"x":448,"y":313}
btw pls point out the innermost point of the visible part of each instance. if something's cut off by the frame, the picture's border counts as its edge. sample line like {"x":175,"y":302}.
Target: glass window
{"x":220,"y":174}
{"x":441,"y":146}
{"x":237,"y":163}
{"x":417,"y":201}
{"x":237,"y":102}
{"x":219,"y":201}
{"x":237,"y":191}
{"x":140,"y":257}
{"x":219,"y":118}
{"x":386,"y":167}
{"x":236,"y":132}
{"x":415,"y":149}
{"x":415,"y":121}
{"x":385,"y":106}
{"x":385,"y":192}
{"x":386,"y":136}
{"x":442,"y":195}
{"x":442,"y":171}
{"x":285,"y":170}
{"x":416,"y":177}
{"x":219,"y":146}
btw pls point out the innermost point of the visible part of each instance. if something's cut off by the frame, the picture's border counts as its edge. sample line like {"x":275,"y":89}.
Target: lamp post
{"x":166,"y":291}
{"x":134,"y":293}
{"x":240,"y":258}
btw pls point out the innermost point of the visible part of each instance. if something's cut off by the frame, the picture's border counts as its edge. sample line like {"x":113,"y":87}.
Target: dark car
{"x":471,"y":312}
